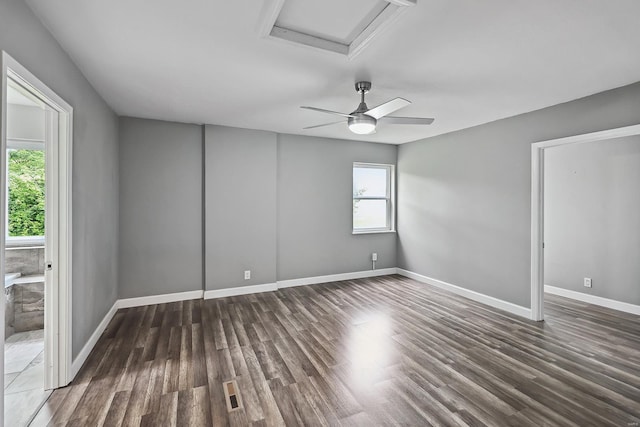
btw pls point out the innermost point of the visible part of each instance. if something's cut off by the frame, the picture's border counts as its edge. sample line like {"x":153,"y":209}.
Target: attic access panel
{"x":332,"y":25}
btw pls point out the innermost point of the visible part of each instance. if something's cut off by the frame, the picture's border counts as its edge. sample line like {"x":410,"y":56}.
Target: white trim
{"x":25,"y":144}
{"x":81,"y":358}
{"x":269,"y":287}
{"x":389,"y":198}
{"x":593,"y":299}
{"x":267,"y":28}
{"x":159,"y":299}
{"x":240,"y":290}
{"x":403,"y":2}
{"x":86,"y":350}
{"x":3,"y":211}
{"x":334,"y":277}
{"x":537,"y":204}
{"x":270,"y":12}
{"x":18,"y":242}
{"x":591,"y":137}
{"x":472,"y":295}
{"x":383,"y":21}
{"x":303,"y":39}
{"x":304,"y":281}
{"x":373,"y":232}
{"x":53,"y":377}
{"x":58,"y":288}
{"x":537,"y":233}
{"x":217,"y":293}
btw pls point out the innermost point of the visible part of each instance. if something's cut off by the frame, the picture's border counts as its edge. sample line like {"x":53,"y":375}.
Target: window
{"x":373,"y":193}
{"x":25,"y":192}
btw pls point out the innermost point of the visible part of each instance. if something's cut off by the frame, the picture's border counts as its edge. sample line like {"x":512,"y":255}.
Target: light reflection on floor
{"x":370,"y":347}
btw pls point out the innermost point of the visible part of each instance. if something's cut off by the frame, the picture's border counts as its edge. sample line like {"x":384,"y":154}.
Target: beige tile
{"x":18,"y":357}
{"x":28,"y":320}
{"x":21,"y":350}
{"x":43,"y":416}
{"x":19,"y":408}
{"x":30,"y":336}
{"x":27,"y":261}
{"x":32,"y":378}
{"x":8,"y":378}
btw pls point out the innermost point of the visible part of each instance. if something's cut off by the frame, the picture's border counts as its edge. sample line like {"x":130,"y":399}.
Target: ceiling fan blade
{"x":407,"y":120}
{"x":387,"y":108}
{"x":327,"y":111}
{"x":325,"y":124}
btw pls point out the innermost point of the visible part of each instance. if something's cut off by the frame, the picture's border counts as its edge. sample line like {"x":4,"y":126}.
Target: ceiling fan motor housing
{"x":359,"y":122}
{"x":363,"y":87}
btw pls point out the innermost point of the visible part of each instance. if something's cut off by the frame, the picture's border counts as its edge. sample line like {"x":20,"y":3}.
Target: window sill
{"x":24,"y":242}
{"x":372,"y":231}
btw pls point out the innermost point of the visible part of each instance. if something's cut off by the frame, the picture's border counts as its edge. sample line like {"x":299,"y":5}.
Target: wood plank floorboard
{"x":379,"y":351}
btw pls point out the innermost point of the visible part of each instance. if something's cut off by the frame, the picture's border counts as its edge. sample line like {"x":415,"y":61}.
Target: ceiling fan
{"x":364,"y":119}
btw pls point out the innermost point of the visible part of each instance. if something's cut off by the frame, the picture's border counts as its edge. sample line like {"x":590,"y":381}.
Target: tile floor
{"x":23,"y":377}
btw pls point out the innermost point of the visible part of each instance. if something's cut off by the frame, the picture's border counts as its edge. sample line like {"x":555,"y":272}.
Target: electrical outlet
{"x":247,"y":274}
{"x":374,"y":256}
{"x":587,"y":282}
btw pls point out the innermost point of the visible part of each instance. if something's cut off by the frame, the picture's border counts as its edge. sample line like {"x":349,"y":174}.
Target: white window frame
{"x":390,"y":198}
{"x":18,"y":241}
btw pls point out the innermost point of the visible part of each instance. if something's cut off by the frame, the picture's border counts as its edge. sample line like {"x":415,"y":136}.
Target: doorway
{"x":537,"y":205}
{"x":35,"y":162}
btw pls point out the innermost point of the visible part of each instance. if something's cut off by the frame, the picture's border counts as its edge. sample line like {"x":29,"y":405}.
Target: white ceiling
{"x":463,"y":62}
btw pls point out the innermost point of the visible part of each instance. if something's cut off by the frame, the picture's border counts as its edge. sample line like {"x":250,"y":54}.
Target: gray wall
{"x":95,"y":165}
{"x":160,"y":208}
{"x":315,"y":208}
{"x":464,"y":203}
{"x":592,"y":221}
{"x":240,"y":206}
{"x":278,"y":205}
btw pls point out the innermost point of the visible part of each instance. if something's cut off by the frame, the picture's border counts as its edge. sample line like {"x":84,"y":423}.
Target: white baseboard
{"x":240,"y":290}
{"x":159,"y":299}
{"x":595,"y":300}
{"x":217,"y":293}
{"x":472,"y":295}
{"x":86,"y":350}
{"x":335,"y":277}
{"x":125,"y":303}
{"x":267,"y":287}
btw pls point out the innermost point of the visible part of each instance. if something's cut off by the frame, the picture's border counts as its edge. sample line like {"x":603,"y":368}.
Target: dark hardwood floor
{"x":380,"y":351}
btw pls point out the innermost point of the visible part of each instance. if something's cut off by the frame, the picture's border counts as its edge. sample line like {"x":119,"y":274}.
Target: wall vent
{"x":232,"y":395}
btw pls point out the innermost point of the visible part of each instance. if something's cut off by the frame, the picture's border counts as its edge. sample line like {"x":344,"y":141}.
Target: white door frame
{"x":58,"y":250}
{"x":537,"y":205}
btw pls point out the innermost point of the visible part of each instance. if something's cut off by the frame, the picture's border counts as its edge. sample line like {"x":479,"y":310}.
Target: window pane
{"x":369,"y":182}
{"x":369,"y":214}
{"x":26,"y":193}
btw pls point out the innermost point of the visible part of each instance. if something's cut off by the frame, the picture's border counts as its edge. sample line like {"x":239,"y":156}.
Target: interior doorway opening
{"x":24,"y":262}
{"x":35,"y":162}
{"x":538,"y":213}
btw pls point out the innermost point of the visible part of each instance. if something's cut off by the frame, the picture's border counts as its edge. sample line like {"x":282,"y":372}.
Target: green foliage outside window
{"x":26,"y":192}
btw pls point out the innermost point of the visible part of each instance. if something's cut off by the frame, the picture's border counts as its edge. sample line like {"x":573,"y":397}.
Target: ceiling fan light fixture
{"x":363,"y":120}
{"x":362,"y":124}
